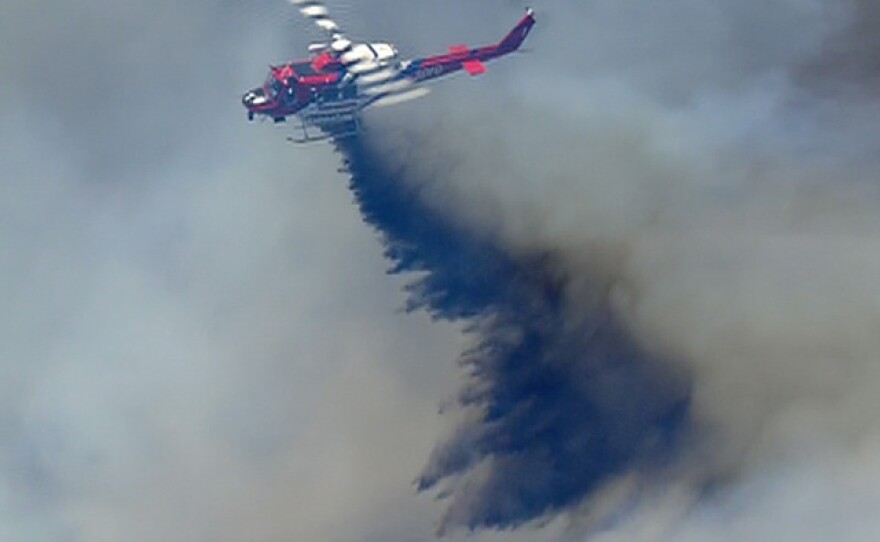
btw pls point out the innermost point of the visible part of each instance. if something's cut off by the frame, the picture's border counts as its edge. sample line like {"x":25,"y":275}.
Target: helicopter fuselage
{"x":333,"y":87}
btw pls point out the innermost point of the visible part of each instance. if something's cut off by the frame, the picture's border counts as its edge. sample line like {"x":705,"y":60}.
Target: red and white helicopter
{"x":328,"y":91}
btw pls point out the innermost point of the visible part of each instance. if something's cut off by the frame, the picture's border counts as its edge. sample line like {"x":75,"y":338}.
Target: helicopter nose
{"x":255,"y":97}
{"x":251,"y":99}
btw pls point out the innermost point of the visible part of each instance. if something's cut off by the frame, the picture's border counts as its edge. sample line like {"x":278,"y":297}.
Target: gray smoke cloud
{"x":198,"y":340}
{"x":709,"y":170}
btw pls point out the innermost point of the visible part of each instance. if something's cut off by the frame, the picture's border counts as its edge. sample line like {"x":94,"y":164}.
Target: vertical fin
{"x":514,"y":39}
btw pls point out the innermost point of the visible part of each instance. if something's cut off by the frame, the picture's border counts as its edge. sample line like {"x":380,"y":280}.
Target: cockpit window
{"x":273,"y":86}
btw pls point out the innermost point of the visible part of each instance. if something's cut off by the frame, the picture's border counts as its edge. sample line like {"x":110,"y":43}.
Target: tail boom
{"x":471,"y":60}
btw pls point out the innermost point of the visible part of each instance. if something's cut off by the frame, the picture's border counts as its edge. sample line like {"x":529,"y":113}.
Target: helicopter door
{"x":288,"y":95}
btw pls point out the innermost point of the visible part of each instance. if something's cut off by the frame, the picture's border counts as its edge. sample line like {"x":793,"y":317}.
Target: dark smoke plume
{"x":559,"y":401}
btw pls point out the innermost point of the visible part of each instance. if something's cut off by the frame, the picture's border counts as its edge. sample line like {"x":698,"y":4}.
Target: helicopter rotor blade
{"x":317,"y":12}
{"x":401,"y":97}
{"x":393,"y":87}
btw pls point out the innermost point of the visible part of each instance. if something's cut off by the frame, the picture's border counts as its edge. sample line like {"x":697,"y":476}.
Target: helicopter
{"x":328,"y":90}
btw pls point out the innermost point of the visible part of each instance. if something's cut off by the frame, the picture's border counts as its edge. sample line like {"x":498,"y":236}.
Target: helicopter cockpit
{"x":290,"y":87}
{"x":276,"y":91}
{"x":271,"y":95}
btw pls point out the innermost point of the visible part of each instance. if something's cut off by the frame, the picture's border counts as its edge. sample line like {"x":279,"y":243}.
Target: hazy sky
{"x":198,"y":339}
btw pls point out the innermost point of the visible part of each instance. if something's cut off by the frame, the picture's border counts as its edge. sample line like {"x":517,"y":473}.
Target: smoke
{"x":657,"y":231}
{"x":565,"y":402}
{"x":197,"y":337}
{"x":685,"y":195}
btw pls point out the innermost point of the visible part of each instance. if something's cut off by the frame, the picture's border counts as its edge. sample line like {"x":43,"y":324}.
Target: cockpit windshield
{"x":273,"y":86}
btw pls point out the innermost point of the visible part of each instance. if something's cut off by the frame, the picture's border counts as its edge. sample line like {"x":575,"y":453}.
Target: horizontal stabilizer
{"x":474,"y":67}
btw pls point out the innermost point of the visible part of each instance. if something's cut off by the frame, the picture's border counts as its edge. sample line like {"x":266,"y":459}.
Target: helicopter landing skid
{"x":342,"y":130}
